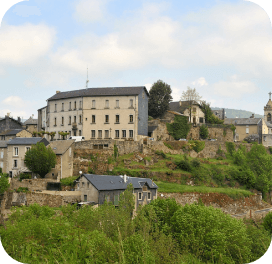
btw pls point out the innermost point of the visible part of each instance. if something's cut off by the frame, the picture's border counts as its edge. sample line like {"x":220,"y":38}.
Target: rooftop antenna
{"x":87,"y":81}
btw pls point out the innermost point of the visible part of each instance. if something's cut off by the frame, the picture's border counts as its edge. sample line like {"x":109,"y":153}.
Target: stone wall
{"x":221,"y":201}
{"x":31,"y":184}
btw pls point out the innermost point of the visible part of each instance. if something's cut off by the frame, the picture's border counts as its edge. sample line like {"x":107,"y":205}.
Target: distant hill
{"x":232,"y":113}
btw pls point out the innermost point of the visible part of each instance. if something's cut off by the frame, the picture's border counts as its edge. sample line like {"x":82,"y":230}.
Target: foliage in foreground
{"x":162,"y":232}
{"x":4,"y":184}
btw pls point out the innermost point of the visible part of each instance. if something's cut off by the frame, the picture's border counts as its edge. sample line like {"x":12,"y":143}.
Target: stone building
{"x":220,"y":113}
{"x":31,"y":124}
{"x":98,"y":113}
{"x":65,"y":155}
{"x":42,"y":119}
{"x":3,"y":155}
{"x":98,"y":188}
{"x":8,"y":123}
{"x":16,"y":149}
{"x":13,"y":133}
{"x":267,"y":128}
{"x":190,"y":109}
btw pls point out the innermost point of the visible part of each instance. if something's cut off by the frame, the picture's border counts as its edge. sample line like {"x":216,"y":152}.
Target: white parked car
{"x":182,"y":139}
{"x":77,"y":138}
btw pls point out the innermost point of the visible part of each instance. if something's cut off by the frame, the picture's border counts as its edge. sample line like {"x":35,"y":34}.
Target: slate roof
{"x":176,"y":107}
{"x":11,"y":132}
{"x":3,"y":143}
{"x":26,"y":141}
{"x":60,"y":146}
{"x":151,"y":128}
{"x":107,"y":91}
{"x":242,"y":121}
{"x":109,"y":182}
{"x":31,"y":121}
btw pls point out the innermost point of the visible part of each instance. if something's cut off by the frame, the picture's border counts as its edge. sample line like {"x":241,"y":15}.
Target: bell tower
{"x":268,"y":110}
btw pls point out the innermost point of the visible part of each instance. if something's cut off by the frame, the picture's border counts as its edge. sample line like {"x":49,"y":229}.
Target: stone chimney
{"x":57,"y":92}
{"x":252,"y":116}
{"x":125,"y":178}
{"x":19,"y":118}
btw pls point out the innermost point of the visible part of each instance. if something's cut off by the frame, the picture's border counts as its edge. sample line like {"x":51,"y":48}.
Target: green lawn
{"x":178,"y":188}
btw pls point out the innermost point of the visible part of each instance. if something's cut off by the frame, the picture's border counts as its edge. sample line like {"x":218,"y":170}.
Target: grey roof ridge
{"x":68,"y":146}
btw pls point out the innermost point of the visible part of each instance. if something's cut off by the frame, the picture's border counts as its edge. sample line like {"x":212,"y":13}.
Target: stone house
{"x":64,"y":151}
{"x":98,"y":188}
{"x":31,"y":124}
{"x":3,"y":155}
{"x":8,"y":123}
{"x":42,"y":119}
{"x":16,"y":149}
{"x":120,"y":113}
{"x":246,"y":127}
{"x":220,"y":113}
{"x":190,"y":109}
{"x":13,"y":133}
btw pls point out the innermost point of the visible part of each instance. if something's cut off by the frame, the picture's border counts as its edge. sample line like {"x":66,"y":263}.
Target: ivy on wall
{"x":179,"y":128}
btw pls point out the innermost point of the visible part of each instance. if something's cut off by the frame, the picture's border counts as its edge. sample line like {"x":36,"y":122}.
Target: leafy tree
{"x":64,"y":134}
{"x":4,"y":184}
{"x":40,"y":159}
{"x":127,"y":201}
{"x":209,"y":116}
{"x":159,"y":99}
{"x":179,"y":128}
{"x":52,"y":135}
{"x":203,"y":131}
{"x":267,"y":223}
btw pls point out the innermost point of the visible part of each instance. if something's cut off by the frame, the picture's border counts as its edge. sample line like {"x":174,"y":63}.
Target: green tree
{"x":209,"y":116}
{"x":159,"y":99}
{"x":40,"y":159}
{"x":63,"y":134}
{"x":179,"y":128}
{"x":203,"y":131}
{"x":4,"y":184}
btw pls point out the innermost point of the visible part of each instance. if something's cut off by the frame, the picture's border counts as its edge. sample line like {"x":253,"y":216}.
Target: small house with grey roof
{"x":13,"y":133}
{"x":9,"y":123}
{"x":16,"y":149}
{"x":119,"y":113}
{"x":98,"y":188}
{"x":31,"y":124}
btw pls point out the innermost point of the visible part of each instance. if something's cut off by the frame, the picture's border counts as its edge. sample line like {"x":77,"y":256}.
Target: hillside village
{"x":84,"y":127}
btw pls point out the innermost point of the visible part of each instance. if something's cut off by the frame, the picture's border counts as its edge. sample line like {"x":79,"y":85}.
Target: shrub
{"x":239,"y":157}
{"x":161,"y":153}
{"x":203,"y":132}
{"x":195,"y":163}
{"x":167,"y":145}
{"x":115,"y":151}
{"x":211,"y":234}
{"x":91,"y":171}
{"x":4,"y":183}
{"x":184,"y":165}
{"x":23,"y":176}
{"x":69,"y":181}
{"x":198,"y":145}
{"x":230,"y":148}
{"x":22,"y":189}
{"x":270,"y":149}
{"x":179,"y":128}
{"x":267,"y":222}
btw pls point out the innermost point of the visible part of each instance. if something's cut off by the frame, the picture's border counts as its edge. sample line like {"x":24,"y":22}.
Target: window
{"x":15,"y":164}
{"x":99,"y":133}
{"x":117,"y":103}
{"x":70,"y":120}
{"x":74,"y":119}
{"x":83,"y":184}
{"x":124,"y":133}
{"x":62,"y":107}
{"x":269,"y":117}
{"x":70,"y":106}
{"x":148,"y":196}
{"x":80,"y":104}
{"x":80,"y":119}
{"x":200,"y":119}
{"x":116,"y":133}
{"x":131,"y":133}
{"x":62,"y":121}
{"x":2,"y":155}
{"x":93,"y":119}
{"x":75,"y":133}
{"x":107,"y":134}
{"x":75,"y":105}
{"x":264,"y":138}
{"x":107,"y":104}
{"x":247,"y":129}
{"x":16,"y":151}
{"x":85,"y":198}
{"x":79,"y":132}
{"x":93,"y":133}
{"x":27,"y":149}
{"x":55,"y":121}
{"x":194,"y":109}
{"x":139,"y":196}
{"x":55,"y":107}
{"x":130,"y":118}
{"x":131,"y":103}
{"x":106,"y":118}
{"x":88,"y":185}
{"x":117,"y":119}
{"x":93,"y":103}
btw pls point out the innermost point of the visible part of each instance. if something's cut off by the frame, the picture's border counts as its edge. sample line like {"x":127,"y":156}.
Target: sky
{"x":221,"y":48}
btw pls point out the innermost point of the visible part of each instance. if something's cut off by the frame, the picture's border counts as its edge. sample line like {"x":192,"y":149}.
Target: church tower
{"x":268,"y":110}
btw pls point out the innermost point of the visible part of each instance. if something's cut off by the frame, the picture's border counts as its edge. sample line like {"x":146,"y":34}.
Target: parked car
{"x":182,"y":139}
{"x":151,"y":139}
{"x":212,"y":139}
{"x":77,"y":138}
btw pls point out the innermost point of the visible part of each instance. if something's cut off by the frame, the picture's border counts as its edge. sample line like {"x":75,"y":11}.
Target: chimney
{"x":125,"y":178}
{"x":179,"y":103}
{"x":8,"y":114}
{"x":57,"y":92}
{"x":19,"y":118}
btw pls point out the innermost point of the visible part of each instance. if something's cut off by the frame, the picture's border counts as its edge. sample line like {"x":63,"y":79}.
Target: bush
{"x":230,"y":148}
{"x":197,"y":145}
{"x":69,"y":181}
{"x":22,"y":189}
{"x":167,"y":145}
{"x":161,"y":153}
{"x":203,"y":132}
{"x":23,"y":176}
{"x":91,"y":171}
{"x":210,"y":234}
{"x":4,"y":183}
{"x":195,"y":163}
{"x":184,"y":165}
{"x":267,"y":222}
{"x":270,"y":149}
{"x":179,"y":128}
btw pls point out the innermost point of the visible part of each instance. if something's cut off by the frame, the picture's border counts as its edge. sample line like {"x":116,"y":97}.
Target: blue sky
{"x":221,"y":48}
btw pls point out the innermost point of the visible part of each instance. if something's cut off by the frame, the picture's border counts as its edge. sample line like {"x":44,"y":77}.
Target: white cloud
{"x":25,"y":44}
{"x":200,"y":82}
{"x":26,"y":10}
{"x":14,"y":101}
{"x":234,"y":88}
{"x":87,"y":11}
